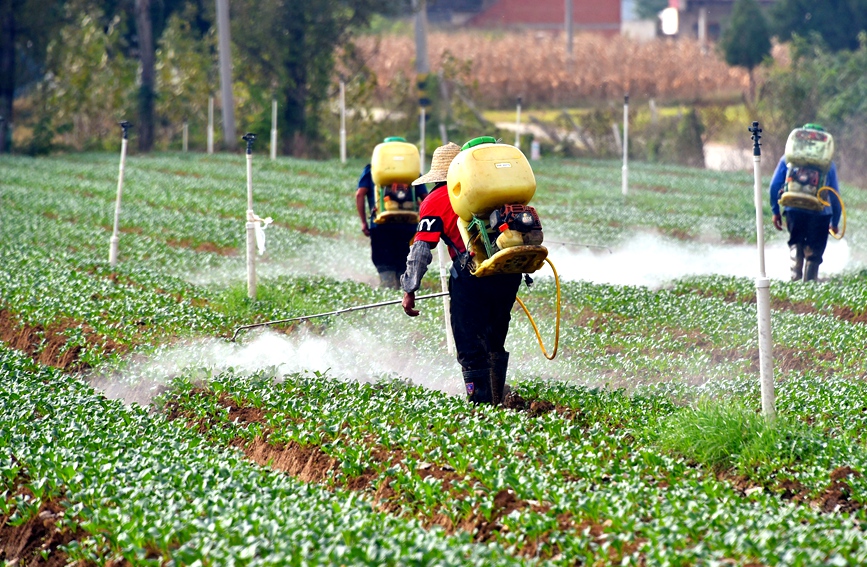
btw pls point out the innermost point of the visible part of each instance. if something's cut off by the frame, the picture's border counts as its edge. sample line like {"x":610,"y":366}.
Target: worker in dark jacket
{"x":389,"y":242}
{"x":480,"y":307}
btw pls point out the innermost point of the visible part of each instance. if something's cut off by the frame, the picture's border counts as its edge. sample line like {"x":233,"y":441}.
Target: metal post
{"x":569,"y":28}
{"x":421,"y":121}
{"x":443,"y":134}
{"x":518,"y":125}
{"x":342,"y":122}
{"x":249,"y":137}
{"x":273,"y":129}
{"x":444,"y":280}
{"x":186,"y":136}
{"x":763,"y":284}
{"x":115,"y":238}
{"x":626,"y":144}
{"x":210,"y":124}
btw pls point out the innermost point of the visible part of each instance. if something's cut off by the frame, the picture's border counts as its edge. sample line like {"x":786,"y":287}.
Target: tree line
{"x":77,"y":67}
{"x":156,"y":61}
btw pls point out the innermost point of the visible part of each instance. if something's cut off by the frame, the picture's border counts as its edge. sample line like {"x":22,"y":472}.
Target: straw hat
{"x":439,"y":164}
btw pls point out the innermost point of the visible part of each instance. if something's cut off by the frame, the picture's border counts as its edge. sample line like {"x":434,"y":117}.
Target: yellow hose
{"x":825,"y":203}
{"x":532,"y":322}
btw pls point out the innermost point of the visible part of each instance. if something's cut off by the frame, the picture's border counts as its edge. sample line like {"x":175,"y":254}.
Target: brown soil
{"x":204,"y":247}
{"x":310,"y":463}
{"x":842,"y":312}
{"x":47,"y":345}
{"x":834,"y":498}
{"x":25,"y":544}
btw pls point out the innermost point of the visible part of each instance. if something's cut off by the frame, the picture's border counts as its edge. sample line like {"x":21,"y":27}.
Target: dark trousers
{"x":480,"y":313}
{"x":389,"y":246}
{"x":810,"y":231}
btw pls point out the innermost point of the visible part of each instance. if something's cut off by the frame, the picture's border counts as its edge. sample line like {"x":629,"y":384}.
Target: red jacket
{"x":439,"y":220}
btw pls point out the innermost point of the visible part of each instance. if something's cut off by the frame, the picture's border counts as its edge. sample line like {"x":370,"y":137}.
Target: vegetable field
{"x":134,"y":432}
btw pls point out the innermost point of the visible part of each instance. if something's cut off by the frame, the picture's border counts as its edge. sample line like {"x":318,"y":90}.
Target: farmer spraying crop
{"x":478,"y":208}
{"x":805,"y":185}
{"x":385,"y":187}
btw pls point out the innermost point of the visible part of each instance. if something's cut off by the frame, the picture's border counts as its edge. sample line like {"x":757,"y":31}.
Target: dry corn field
{"x":536,"y":67}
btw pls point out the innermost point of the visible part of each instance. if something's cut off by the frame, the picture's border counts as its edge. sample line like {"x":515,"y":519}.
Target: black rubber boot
{"x":499,"y":366}
{"x":811,"y":271}
{"x":796,"y":253}
{"x":478,"y":384}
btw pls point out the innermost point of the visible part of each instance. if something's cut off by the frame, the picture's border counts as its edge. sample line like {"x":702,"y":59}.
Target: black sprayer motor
{"x":517,"y":224}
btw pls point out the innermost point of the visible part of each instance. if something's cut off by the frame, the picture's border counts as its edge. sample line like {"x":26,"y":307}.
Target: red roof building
{"x":587,"y":15}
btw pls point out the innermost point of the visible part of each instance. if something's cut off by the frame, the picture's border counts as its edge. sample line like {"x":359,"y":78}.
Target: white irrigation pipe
{"x":763,"y":285}
{"x":342,"y":122}
{"x":273,"y":129}
{"x":210,"y":125}
{"x":625,"y":188}
{"x":421,"y":121}
{"x":518,"y":124}
{"x":115,"y":238}
{"x":251,"y":222}
{"x":186,"y":136}
{"x":444,"y":280}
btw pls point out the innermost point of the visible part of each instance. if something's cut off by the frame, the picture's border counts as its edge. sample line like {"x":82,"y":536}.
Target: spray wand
{"x":579,"y":244}
{"x":337,"y":312}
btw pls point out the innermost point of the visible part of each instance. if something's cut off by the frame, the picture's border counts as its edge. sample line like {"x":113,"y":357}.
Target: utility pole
{"x":226,"y":74}
{"x":422,"y":70}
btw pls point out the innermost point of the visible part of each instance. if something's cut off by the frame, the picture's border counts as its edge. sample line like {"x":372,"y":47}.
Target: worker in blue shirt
{"x":808,"y":229}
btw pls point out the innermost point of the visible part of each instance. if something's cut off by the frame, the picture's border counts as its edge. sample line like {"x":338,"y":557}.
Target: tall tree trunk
{"x":147,"y":56}
{"x":225,"y":47}
{"x":7,"y":72}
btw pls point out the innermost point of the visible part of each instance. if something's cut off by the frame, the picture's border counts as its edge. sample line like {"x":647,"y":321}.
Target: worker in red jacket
{"x":480,"y":307}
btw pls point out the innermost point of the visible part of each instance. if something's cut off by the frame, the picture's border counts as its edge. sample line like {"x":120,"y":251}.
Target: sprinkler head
{"x":249,"y":137}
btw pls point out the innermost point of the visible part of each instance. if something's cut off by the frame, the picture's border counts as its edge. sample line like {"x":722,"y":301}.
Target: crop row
{"x":584,"y":482}
{"x":146,"y":491}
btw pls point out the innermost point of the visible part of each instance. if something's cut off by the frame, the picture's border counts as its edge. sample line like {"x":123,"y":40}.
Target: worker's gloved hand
{"x":365,"y":229}
{"x":409,"y":304}
{"x":778,"y":222}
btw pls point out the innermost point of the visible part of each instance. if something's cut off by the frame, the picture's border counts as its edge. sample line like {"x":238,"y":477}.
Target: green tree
{"x":838,"y":22}
{"x":290,"y":48}
{"x":746,"y":40}
{"x":90,"y":83}
{"x":25,"y":29}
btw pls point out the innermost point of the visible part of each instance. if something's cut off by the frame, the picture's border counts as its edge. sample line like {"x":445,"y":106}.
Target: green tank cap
{"x":478,"y":141}
{"x":814,"y":126}
{"x":393,"y":139}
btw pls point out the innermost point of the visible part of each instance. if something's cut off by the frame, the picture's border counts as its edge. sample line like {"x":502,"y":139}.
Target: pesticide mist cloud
{"x":347,"y":353}
{"x":651,"y":261}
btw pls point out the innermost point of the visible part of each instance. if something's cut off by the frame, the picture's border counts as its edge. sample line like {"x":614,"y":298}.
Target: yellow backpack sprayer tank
{"x":490,"y":186}
{"x":395,"y":164}
{"x":809,"y":151}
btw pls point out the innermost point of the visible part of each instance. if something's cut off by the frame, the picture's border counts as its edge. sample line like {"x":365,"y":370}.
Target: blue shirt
{"x":779,"y":180}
